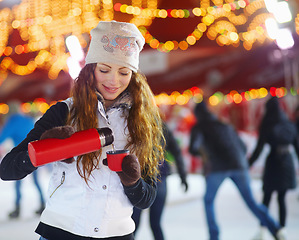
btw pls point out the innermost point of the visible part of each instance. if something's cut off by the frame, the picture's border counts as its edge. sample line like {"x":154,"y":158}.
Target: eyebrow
{"x":98,"y":64}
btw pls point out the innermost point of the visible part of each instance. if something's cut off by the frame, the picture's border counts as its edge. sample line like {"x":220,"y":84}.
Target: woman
{"x":86,"y":199}
{"x":279,"y":171}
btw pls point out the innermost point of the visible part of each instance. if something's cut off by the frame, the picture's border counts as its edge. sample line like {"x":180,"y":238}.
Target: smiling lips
{"x":111,"y":89}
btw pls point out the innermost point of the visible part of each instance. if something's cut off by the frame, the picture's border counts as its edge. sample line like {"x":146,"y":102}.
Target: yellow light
{"x":237,"y":98}
{"x":174,"y":95}
{"x":19,"y":49}
{"x":223,"y":39}
{"x":196,"y":11}
{"x":163,"y":98}
{"x":227,"y":7}
{"x":180,"y":13}
{"x":123,"y":8}
{"x":247,"y":45}
{"x":173,"y":13}
{"x":162,"y":13}
{"x":16,"y":24}
{"x":188,"y":93}
{"x":191,"y":40}
{"x":198,"y":34}
{"x":31,"y":66}
{"x":7,"y":51}
{"x":213,"y":100}
{"x":150,"y":13}
{"x":6,"y":63}
{"x":39,"y":60}
{"x":187,"y":96}
{"x":26,"y":107}
{"x":242,"y":4}
{"x":137,"y":11}
{"x":43,"y":107}
{"x":169,"y":45}
{"x":181,"y":100}
{"x":253,"y":93}
{"x":154,"y":43}
{"x":263,"y":92}
{"x":130,"y":9}
{"x":203,"y":11}
{"x":202,"y":27}
{"x":77,"y":11}
{"x":234,"y":36}
{"x":210,"y":10}
{"x":4,"y":109}
{"x":162,"y":48}
{"x":247,"y":96}
{"x":208,"y":19}
{"x":260,"y":30}
{"x":198,"y":98}
{"x":148,"y":37}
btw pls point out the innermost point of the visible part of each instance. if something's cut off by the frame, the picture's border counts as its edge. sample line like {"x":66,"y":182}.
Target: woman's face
{"x":112,"y":80}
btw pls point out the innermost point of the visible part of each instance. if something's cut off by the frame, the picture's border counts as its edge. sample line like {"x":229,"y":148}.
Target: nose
{"x":114,"y":79}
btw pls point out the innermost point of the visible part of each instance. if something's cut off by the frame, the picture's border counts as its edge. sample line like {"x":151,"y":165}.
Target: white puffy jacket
{"x":103,"y":208}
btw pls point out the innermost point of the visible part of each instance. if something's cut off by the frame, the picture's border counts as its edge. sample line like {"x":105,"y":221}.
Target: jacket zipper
{"x":61,"y":182}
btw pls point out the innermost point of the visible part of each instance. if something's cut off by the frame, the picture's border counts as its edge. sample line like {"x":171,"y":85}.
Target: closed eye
{"x":124,"y":73}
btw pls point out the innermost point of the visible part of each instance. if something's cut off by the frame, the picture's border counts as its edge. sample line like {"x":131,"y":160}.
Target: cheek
{"x":126,"y":81}
{"x":98,"y":78}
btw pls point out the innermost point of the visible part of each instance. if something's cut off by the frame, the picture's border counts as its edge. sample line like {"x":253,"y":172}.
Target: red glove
{"x":131,"y":172}
{"x":60,"y":133}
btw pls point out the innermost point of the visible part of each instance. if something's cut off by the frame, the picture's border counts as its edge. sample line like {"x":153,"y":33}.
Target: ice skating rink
{"x":183,"y":218}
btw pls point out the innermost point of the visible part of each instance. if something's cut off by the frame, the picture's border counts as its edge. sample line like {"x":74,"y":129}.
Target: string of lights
{"x":44,"y":25}
{"x":194,"y":94}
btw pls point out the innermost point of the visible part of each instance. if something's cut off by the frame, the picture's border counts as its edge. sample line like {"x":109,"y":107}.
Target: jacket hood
{"x":202,"y":112}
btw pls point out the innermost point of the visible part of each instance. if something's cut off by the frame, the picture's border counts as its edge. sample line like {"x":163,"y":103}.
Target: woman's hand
{"x":60,"y":133}
{"x":131,"y":172}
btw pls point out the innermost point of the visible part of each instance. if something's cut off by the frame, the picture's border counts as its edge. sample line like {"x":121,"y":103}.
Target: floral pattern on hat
{"x":125,"y":44}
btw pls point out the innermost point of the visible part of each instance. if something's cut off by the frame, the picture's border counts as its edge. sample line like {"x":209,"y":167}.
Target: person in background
{"x":87,"y":200}
{"x":279,"y":175}
{"x":156,"y":210}
{"x":224,"y":156}
{"x":16,"y":127}
{"x":296,"y":118}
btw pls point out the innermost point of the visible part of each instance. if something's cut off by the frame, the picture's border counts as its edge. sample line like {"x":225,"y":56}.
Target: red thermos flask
{"x":52,"y":149}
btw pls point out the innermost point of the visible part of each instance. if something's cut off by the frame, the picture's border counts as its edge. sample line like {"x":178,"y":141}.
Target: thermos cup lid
{"x":106,"y":136}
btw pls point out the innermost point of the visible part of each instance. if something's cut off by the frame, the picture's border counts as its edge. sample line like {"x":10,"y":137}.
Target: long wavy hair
{"x":143,"y":122}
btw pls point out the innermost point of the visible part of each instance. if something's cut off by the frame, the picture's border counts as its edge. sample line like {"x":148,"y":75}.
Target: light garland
{"x":195,"y":94}
{"x":224,"y":32}
{"x":179,"y":13}
{"x":43,"y":26}
{"x":38,"y":106}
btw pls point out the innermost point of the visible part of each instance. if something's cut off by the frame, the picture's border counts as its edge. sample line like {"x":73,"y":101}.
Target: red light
{"x":117,"y":7}
{"x":273,"y":91}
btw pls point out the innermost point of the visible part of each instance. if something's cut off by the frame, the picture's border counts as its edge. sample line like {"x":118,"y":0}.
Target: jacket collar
{"x":124,"y":100}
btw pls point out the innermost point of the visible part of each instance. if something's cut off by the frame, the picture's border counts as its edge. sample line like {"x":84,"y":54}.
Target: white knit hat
{"x":115,"y":42}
